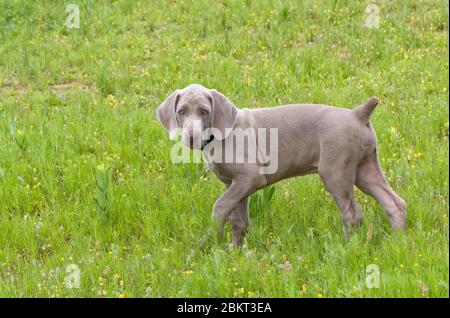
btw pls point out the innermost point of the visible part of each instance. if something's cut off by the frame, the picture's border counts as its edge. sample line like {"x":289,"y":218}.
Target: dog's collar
{"x":211,"y":138}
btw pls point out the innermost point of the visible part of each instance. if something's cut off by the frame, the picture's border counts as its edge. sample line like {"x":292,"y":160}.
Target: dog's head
{"x":196,"y":109}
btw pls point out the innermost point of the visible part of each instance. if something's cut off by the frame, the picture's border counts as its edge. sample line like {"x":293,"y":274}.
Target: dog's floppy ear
{"x":166,"y":114}
{"x":223,"y":113}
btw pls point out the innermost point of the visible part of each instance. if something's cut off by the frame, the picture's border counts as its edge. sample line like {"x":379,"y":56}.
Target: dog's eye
{"x":205,"y":112}
{"x":181,"y":111}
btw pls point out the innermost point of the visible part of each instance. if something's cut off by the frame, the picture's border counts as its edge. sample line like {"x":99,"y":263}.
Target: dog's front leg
{"x":238,"y":191}
{"x":239,"y":221}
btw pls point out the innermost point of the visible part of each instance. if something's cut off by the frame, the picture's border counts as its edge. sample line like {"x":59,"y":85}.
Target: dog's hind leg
{"x":339,"y":181}
{"x":371,"y":180}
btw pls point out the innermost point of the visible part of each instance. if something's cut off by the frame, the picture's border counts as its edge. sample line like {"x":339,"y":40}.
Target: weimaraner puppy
{"x":338,"y":143}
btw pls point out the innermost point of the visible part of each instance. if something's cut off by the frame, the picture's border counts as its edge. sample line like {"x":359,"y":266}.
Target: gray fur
{"x":337,"y":143}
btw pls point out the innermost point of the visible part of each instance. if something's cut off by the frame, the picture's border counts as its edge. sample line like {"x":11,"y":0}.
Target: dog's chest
{"x":220,"y":171}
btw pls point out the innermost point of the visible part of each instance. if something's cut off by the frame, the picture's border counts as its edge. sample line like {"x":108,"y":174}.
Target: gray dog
{"x":338,"y":143}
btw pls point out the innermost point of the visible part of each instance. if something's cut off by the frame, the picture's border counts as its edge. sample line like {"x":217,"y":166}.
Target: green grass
{"x":85,"y":171}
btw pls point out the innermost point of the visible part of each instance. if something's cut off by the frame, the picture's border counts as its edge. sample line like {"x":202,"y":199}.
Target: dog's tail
{"x":364,"y":111}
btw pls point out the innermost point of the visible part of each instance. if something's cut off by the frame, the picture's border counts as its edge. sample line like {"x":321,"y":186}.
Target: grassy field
{"x":85,"y":170}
